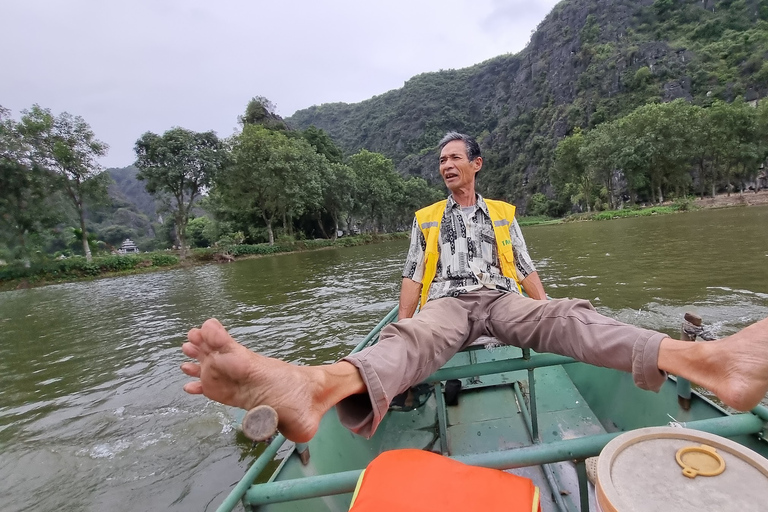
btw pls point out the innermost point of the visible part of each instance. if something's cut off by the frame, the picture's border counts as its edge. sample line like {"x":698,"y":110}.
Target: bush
{"x":242,"y":250}
{"x":538,"y":204}
{"x":163,"y":260}
{"x":684,"y":203}
{"x":118,"y":263}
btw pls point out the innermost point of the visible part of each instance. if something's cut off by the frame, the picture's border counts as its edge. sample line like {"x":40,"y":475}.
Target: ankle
{"x":337,"y":381}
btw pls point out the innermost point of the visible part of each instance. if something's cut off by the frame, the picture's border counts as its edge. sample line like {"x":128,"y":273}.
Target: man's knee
{"x":574,"y":305}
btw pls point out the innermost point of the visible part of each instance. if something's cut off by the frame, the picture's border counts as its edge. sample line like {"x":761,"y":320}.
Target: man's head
{"x":460,"y":161}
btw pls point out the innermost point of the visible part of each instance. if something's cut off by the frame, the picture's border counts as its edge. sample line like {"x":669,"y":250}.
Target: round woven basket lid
{"x":668,"y":468}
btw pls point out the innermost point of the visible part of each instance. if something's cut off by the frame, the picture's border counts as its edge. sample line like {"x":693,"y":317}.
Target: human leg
{"x":231,"y":374}
{"x":573,"y":328}
{"x":407,"y":352}
{"x":734,"y":368}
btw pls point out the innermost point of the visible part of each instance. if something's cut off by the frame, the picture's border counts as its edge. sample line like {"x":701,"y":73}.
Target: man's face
{"x":457,"y":171}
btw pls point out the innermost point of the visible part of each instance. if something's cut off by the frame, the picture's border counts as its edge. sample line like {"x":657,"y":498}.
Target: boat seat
{"x":412,"y":480}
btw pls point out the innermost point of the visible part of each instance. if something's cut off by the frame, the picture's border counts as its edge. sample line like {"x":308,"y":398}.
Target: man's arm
{"x":533,"y":287}
{"x":410,"y":293}
{"x":524,"y":264}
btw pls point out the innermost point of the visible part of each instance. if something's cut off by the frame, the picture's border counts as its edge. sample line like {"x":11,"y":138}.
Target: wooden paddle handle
{"x":260,"y":423}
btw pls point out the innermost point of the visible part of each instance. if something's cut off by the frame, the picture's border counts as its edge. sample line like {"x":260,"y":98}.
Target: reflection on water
{"x":92,"y":416}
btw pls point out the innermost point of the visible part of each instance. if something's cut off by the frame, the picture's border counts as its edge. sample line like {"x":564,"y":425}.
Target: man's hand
{"x":533,"y":287}
{"x":410,"y":293}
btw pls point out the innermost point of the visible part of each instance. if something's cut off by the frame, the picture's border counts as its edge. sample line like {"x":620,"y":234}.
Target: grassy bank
{"x":636,"y":211}
{"x":16,"y":276}
{"x":628,"y":212}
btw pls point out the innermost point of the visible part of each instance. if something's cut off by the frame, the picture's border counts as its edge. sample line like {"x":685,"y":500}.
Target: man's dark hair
{"x":473,"y":148}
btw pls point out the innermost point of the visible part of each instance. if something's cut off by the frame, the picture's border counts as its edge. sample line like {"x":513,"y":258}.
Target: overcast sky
{"x":133,"y":66}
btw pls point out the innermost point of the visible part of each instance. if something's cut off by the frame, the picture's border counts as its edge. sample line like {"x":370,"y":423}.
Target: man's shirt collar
{"x":479,"y":201}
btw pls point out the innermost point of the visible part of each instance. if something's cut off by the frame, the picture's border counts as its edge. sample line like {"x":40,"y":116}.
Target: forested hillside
{"x":130,"y":212}
{"x":589,"y":61}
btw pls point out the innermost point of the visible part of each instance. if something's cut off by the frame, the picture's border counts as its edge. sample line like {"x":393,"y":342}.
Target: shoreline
{"x":734,"y":200}
{"x":208,"y":256}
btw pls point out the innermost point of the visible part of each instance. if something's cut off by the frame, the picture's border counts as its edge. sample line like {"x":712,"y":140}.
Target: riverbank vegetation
{"x":77,"y":268}
{"x":268,"y":189}
{"x":266,"y":184}
{"x":668,"y":150}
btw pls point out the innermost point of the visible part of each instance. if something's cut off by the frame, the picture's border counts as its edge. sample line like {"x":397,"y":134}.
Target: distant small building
{"x":128,"y":247}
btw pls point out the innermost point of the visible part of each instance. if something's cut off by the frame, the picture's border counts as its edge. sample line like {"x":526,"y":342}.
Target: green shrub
{"x":684,"y":203}
{"x":242,"y":250}
{"x":163,"y":260}
{"x":118,"y":263}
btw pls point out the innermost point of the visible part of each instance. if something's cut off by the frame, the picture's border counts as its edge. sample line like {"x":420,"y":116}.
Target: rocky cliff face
{"x":587,"y":62}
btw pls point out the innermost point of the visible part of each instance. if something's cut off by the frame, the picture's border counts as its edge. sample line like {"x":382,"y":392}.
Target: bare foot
{"x":233,"y":375}
{"x":743,"y":381}
{"x":733,"y":368}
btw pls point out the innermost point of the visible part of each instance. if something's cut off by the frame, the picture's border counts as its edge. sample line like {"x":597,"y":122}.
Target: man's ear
{"x":478,"y":163}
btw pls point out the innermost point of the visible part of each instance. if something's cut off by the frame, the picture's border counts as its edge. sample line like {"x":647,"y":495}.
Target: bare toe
{"x":190,"y":350}
{"x":195,"y":336}
{"x":194,"y":388}
{"x":191,"y":369}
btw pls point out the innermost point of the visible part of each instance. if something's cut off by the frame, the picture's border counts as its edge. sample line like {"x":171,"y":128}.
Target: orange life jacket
{"x":420,"y":481}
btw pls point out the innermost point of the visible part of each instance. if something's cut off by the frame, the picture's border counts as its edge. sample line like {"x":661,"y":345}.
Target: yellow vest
{"x":430,"y":218}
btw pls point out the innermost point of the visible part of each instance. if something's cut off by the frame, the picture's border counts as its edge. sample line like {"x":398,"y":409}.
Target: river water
{"x":92,"y":416}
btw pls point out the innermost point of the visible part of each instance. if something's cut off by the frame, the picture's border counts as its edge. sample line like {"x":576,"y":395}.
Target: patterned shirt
{"x":469,"y":257}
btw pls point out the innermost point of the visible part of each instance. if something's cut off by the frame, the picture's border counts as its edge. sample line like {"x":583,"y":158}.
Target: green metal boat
{"x":536,"y":415}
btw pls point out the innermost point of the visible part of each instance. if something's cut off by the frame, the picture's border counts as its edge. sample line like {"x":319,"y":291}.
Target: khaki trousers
{"x":412,"y":349}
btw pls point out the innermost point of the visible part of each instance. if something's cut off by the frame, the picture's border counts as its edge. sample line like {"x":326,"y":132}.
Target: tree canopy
{"x":178,"y":167}
{"x":66,"y":148}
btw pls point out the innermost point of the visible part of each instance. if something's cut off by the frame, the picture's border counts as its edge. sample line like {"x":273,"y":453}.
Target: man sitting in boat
{"x":466,"y":266}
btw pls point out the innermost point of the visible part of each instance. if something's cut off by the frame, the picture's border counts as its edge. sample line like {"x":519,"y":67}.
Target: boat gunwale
{"x":544,"y":453}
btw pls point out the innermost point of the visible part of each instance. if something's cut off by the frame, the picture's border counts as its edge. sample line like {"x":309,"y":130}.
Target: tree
{"x":762,"y":128}
{"x":323,"y":144}
{"x":24,"y":210}
{"x":376,"y":177}
{"x":707,"y":146}
{"x":599,"y":153}
{"x":270,"y":175}
{"x":339,"y":185}
{"x":66,"y":147}
{"x":743,"y":152}
{"x":416,"y":194}
{"x":199,"y":230}
{"x":657,"y":141}
{"x":178,"y":167}
{"x":261,"y":111}
{"x":571,"y":172}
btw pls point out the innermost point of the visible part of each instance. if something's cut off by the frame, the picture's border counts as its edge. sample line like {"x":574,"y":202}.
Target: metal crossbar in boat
{"x":518,"y":411}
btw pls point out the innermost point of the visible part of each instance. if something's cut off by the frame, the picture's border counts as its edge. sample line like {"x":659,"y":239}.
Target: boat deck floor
{"x":488,"y":418}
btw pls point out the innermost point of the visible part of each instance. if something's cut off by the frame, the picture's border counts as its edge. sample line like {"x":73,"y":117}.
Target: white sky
{"x":133,"y":66}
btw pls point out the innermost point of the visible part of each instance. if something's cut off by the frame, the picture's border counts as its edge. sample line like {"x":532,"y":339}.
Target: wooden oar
{"x":260,"y":423}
